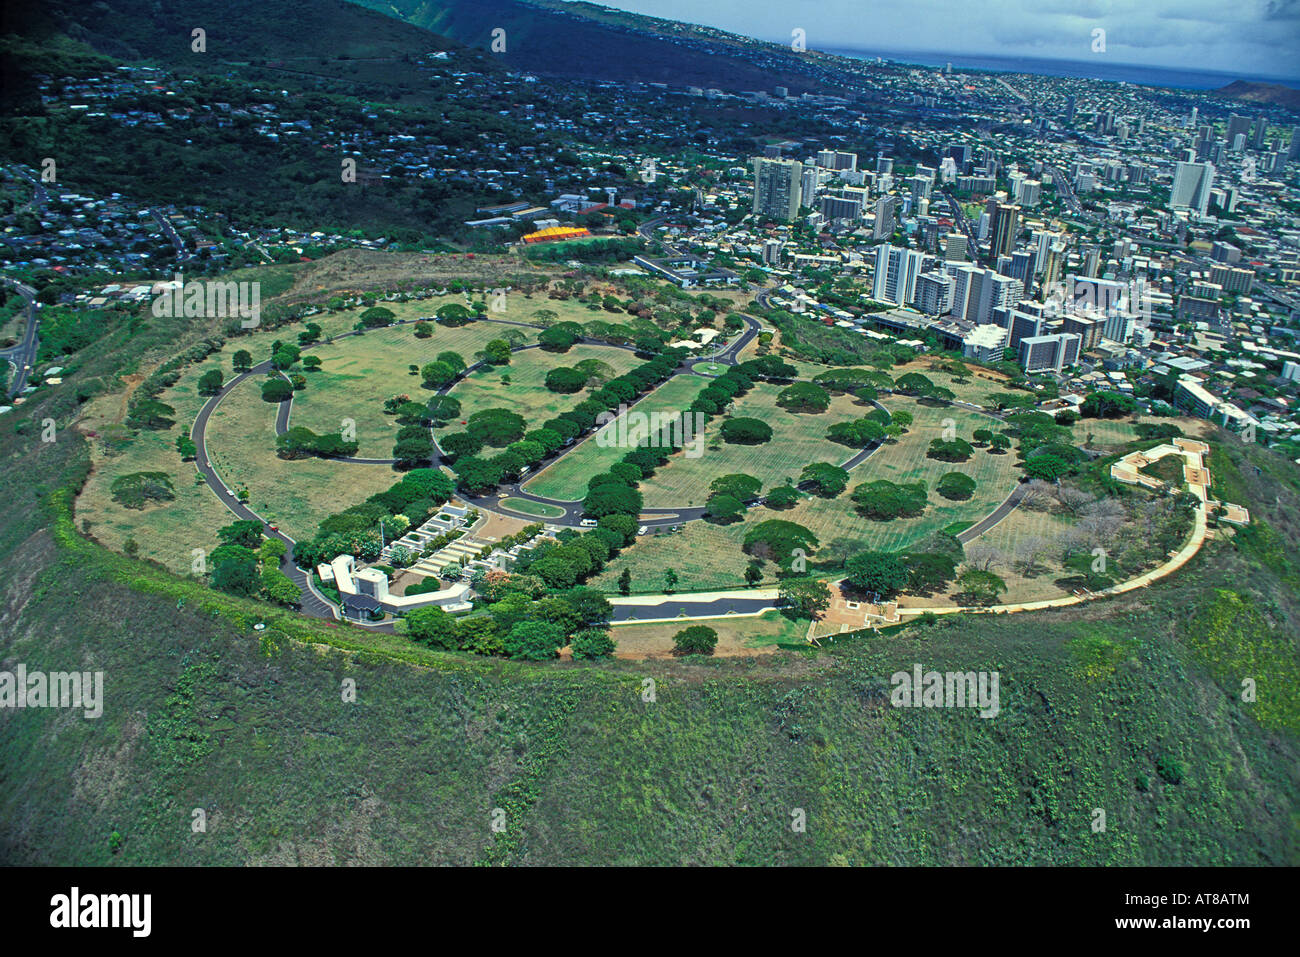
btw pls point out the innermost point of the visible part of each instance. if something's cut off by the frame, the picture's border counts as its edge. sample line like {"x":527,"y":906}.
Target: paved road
{"x":23,"y":355}
{"x":998,"y":514}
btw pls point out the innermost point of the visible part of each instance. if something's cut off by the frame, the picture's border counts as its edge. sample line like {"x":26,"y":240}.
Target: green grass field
{"x":707,"y":556}
{"x":296,"y":495}
{"x":797,"y":440}
{"x":529,"y":507}
{"x":526,"y":392}
{"x":566,"y":479}
{"x":358,"y":373}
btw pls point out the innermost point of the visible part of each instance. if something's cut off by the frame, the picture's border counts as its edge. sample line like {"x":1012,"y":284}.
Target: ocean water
{"x":1099,"y":69}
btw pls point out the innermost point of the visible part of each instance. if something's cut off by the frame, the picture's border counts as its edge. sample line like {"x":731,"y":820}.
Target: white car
{"x":643,"y":530}
{"x":588,"y":523}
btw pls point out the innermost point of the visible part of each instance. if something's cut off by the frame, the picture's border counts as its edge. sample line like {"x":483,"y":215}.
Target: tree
{"x":883,"y":500}
{"x":242,"y":360}
{"x":857,"y":434}
{"x":591,"y":643}
{"x":497,"y":427}
{"x":565,"y":380}
{"x":745,"y":431}
{"x":210,"y":382}
{"x":138,"y":489}
{"x":670,"y":581}
{"x":883,"y":573}
{"x":804,"y":397}
{"x":782,"y":497}
{"x":753,"y":574}
{"x":1107,"y":405}
{"x":245,"y":532}
{"x":434,"y":627}
{"x":236,"y":575}
{"x":695,"y":640}
{"x":377,"y":316}
{"x":457,"y":444}
{"x":534,"y":641}
{"x":497,"y":352}
{"x":151,"y":414}
{"x":311,"y":363}
{"x":612,"y":499}
{"x":979,"y":587}
{"x":453,"y":359}
{"x":737,"y":484}
{"x":804,"y":597}
{"x":827,"y":480}
{"x":560,"y":338}
{"x":625,"y":582}
{"x":423,"y":329}
{"x":902,"y":418}
{"x":928,"y":571}
{"x":1048,"y":467}
{"x":435,"y":374}
{"x":982,"y":436}
{"x":723,"y":508}
{"x":956,"y":486}
{"x":999,"y":443}
{"x":780,"y":541}
{"x":186,"y":447}
{"x":950,"y":450}
{"x":276,"y":389}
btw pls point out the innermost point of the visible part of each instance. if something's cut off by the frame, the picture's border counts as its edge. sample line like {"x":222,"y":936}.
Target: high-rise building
{"x":1232,"y":279}
{"x":772,"y":252}
{"x":934,"y":293}
{"x":810,"y":184}
{"x":1119,"y":327}
{"x":778,"y":188}
{"x":1237,"y":125}
{"x":1044,"y":353}
{"x":1087,"y":328}
{"x":884,"y":164}
{"x":1294,"y":152}
{"x":1069,"y":109}
{"x":954,"y":247}
{"x":977,"y":292}
{"x":883,"y":227}
{"x":1006,"y":226}
{"x":842,"y":205}
{"x":1091,"y":260}
{"x":919,"y":187}
{"x":837,"y":160}
{"x":1191,"y":187}
{"x":1258,"y":133}
{"x":896,"y":272}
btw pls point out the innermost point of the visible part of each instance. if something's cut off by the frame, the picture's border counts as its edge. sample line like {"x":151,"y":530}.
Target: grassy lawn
{"x":797,"y":440}
{"x":165,"y":532}
{"x":526,"y":391}
{"x":566,"y":479}
{"x":707,"y":556}
{"x":358,"y":373}
{"x":295,"y":495}
{"x":529,"y":507}
{"x":736,"y":636}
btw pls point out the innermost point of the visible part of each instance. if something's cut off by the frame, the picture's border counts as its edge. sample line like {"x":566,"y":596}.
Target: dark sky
{"x":1254,"y":37}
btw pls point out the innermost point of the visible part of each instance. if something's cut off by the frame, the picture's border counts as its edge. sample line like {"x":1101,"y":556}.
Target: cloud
{"x":1251,"y":37}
